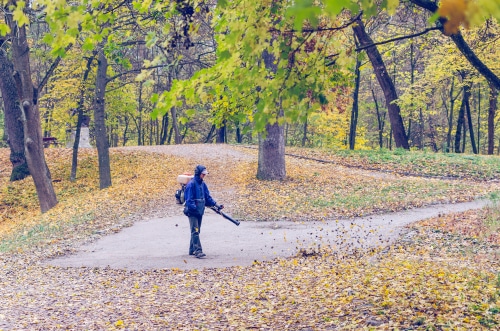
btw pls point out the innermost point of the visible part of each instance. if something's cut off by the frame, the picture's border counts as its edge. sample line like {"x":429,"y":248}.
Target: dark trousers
{"x":195,"y":225}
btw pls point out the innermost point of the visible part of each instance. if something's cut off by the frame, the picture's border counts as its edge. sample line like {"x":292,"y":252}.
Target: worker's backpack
{"x":179,"y":195}
{"x":183,"y":180}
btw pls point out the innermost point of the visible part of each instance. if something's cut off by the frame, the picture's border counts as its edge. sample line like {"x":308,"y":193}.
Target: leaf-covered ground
{"x":444,"y":274}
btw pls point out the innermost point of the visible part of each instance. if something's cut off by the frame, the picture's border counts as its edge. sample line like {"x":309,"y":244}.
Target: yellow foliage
{"x":456,"y":13}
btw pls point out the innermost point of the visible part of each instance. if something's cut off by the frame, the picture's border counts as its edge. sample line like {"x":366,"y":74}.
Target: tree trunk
{"x":13,"y":123}
{"x":238,"y":134}
{"x":479,"y":118}
{"x":125,"y":130}
{"x":33,"y":143}
{"x":355,"y":108}
{"x":380,"y":121}
{"x":271,"y":161}
{"x":450,"y":117}
{"x":397,"y":126}
{"x":469,"y":119}
{"x":221,"y":134}
{"x":210,"y":134}
{"x":175,"y":126}
{"x":491,"y":118}
{"x":140,"y":134}
{"x":433,"y":134}
{"x":74,"y":162}
{"x":164,"y":129}
{"x":101,"y":137}
{"x":304,"y":134}
{"x":460,"y":124}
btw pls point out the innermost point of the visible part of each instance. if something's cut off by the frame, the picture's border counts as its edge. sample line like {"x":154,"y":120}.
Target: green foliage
{"x":241,"y":86}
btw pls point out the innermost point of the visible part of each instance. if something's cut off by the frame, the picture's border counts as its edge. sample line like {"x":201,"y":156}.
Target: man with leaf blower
{"x":197,"y":197}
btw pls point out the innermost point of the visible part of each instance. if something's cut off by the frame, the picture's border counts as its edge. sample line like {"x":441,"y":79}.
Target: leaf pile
{"x":140,"y":181}
{"x":318,"y":191}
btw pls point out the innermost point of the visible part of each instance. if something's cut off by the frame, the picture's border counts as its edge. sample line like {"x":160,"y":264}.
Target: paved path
{"x":163,"y":242}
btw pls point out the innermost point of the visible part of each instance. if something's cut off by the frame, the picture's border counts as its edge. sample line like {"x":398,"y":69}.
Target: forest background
{"x":274,"y":72}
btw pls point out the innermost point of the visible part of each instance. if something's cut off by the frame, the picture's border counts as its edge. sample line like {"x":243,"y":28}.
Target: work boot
{"x":199,"y":254}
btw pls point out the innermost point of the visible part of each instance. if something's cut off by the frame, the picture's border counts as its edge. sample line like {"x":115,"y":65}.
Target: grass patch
{"x":40,"y":233}
{"x":475,"y":167}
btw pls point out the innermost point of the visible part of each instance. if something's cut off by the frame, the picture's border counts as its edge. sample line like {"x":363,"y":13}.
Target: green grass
{"x":40,"y":233}
{"x":479,"y":167}
{"x":492,"y":220}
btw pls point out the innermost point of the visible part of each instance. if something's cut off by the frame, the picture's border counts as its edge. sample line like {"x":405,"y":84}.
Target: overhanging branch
{"x":398,"y":38}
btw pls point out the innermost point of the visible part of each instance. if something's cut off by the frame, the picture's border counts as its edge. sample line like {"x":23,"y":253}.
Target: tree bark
{"x":221,"y":134}
{"x":101,"y":137}
{"x":304,"y":133}
{"x":164,"y":129}
{"x":140,"y":134}
{"x":491,"y":118}
{"x":210,"y":134}
{"x":432,"y":134}
{"x":469,"y":119}
{"x":175,"y":126}
{"x":355,"y":108}
{"x":397,"y":126}
{"x":271,"y":160}
{"x":380,"y":121}
{"x":460,"y":124}
{"x":80,"y":106}
{"x":13,"y":123}
{"x":450,"y":116}
{"x":238,"y":134}
{"x":28,"y":96}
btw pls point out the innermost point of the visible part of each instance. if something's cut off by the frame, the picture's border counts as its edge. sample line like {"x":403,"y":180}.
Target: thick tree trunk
{"x":35,"y":156}
{"x":491,"y":118}
{"x":271,"y":161}
{"x":13,"y":123}
{"x":33,"y":143}
{"x":101,"y":137}
{"x":355,"y":108}
{"x":397,"y":126}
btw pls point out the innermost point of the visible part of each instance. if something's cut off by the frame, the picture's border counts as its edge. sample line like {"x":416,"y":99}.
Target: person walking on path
{"x":197,"y":197}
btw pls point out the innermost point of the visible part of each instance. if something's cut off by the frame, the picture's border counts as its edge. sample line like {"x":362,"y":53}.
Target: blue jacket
{"x":197,"y":196}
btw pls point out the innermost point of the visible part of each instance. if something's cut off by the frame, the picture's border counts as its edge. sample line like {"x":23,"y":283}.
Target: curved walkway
{"x":163,"y":242}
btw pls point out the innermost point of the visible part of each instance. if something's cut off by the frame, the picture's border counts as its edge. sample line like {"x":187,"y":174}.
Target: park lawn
{"x":445,"y":275}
